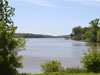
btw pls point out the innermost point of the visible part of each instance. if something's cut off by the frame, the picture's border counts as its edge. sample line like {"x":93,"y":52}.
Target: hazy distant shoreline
{"x":29,"y":35}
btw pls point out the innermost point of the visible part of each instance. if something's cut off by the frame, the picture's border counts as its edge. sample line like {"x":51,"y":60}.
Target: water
{"x":38,"y":51}
{"x":53,"y":47}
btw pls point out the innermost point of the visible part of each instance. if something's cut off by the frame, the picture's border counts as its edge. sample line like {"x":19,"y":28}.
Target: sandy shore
{"x":32,"y":64}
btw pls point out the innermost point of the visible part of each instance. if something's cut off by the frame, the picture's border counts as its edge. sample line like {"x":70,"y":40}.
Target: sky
{"x":53,"y":17}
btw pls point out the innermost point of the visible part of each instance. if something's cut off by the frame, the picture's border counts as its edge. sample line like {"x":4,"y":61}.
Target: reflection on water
{"x":55,"y":47}
{"x":93,"y":45}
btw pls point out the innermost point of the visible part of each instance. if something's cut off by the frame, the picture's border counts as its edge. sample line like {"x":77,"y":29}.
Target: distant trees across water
{"x":28,"y":35}
{"x":89,"y":34}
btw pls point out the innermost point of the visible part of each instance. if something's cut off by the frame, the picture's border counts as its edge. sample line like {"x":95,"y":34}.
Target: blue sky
{"x":53,"y":17}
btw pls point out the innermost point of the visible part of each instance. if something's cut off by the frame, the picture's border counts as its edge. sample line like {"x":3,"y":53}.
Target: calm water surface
{"x":54,"y":47}
{"x":38,"y":51}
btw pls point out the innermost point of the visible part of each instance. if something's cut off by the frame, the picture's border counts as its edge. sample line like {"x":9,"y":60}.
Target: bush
{"x":52,"y":66}
{"x":91,"y":61}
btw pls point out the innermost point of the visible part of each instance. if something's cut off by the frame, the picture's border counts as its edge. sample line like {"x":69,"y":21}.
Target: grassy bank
{"x":66,"y":74}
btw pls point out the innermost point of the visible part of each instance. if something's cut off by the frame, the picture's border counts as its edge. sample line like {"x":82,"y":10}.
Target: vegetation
{"x":62,"y":73}
{"x":91,"y":61}
{"x":52,"y":66}
{"x":28,"y":35}
{"x":68,"y":74}
{"x":90,"y":34}
{"x":9,"y":46}
{"x":55,"y":66}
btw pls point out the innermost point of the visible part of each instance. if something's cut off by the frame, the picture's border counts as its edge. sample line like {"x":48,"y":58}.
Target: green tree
{"x":84,"y":32}
{"x":77,"y":33}
{"x":87,"y":35}
{"x":98,"y":36}
{"x":94,"y":30}
{"x":9,"y":46}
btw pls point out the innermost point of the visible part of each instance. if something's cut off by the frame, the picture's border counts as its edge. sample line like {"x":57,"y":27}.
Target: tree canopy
{"x":91,"y":33}
{"x":9,"y":46}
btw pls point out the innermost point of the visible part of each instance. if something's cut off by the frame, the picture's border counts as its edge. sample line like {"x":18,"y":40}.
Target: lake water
{"x":42,"y":49}
{"x":53,"y":47}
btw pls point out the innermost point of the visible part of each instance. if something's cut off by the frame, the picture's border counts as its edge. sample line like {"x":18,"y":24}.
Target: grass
{"x":59,"y":73}
{"x":69,"y":74}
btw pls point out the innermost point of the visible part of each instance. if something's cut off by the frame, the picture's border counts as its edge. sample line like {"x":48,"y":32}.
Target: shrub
{"x":52,"y":66}
{"x":91,"y":61}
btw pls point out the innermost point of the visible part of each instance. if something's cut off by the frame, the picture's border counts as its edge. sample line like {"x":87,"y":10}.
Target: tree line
{"x":89,"y":34}
{"x":30,"y":35}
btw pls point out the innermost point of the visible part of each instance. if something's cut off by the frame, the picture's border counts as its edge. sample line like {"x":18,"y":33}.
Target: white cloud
{"x":46,"y":3}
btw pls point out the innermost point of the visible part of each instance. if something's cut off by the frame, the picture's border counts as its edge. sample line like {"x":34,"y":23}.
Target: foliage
{"x":94,"y":29}
{"x":98,"y":36}
{"x":9,"y":46}
{"x":77,"y":32}
{"x":27,"y":35}
{"x":52,"y":66}
{"x":91,"y":60}
{"x":87,"y":33}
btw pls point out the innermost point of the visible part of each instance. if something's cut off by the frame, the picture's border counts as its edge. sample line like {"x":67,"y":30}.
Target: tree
{"x":94,"y":29}
{"x":98,"y":36}
{"x":84,"y":33}
{"x":9,"y":46}
{"x":84,"y":30}
{"x":77,"y":33}
{"x":87,"y":33}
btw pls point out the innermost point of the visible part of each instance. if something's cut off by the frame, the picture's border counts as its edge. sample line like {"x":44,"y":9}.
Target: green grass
{"x":69,"y":74}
